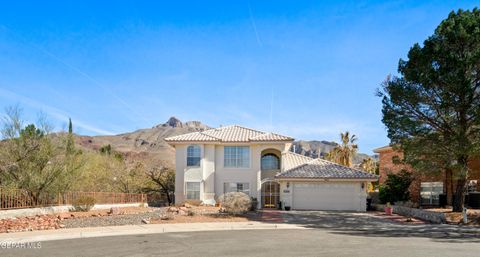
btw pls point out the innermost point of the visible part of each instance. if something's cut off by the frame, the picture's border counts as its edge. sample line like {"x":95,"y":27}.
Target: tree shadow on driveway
{"x":365,"y":224}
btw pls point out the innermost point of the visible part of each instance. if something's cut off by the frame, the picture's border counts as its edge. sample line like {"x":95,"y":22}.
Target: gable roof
{"x":291,"y":160}
{"x":233,"y":133}
{"x":322,"y":169}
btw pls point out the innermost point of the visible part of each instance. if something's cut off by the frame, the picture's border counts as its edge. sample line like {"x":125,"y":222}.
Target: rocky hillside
{"x":317,"y":149}
{"x":146,"y":145}
{"x":149,"y":146}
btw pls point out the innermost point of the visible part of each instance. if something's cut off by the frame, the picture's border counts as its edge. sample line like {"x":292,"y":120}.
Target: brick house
{"x":426,"y":188}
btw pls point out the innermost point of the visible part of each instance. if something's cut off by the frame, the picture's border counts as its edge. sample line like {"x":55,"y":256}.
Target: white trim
{"x":199,"y":190}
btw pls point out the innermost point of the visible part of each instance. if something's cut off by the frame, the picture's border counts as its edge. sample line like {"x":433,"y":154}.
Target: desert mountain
{"x":317,"y":149}
{"x":148,"y":145}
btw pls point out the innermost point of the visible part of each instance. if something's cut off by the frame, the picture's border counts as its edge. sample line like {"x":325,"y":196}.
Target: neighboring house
{"x":234,"y":158}
{"x":426,"y":188}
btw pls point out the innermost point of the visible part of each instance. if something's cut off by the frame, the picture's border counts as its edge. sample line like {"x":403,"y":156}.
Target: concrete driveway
{"x":330,"y":234}
{"x":370,"y":225}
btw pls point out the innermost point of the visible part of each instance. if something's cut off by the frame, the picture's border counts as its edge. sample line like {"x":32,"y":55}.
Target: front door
{"x":270,"y":195}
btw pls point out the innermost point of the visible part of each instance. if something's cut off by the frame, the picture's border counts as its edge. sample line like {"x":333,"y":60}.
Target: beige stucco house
{"x":235,"y":158}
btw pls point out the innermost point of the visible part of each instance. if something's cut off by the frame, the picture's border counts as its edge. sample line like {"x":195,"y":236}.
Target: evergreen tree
{"x":432,"y":109}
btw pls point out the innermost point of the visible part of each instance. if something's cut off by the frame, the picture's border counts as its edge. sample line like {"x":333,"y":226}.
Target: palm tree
{"x":343,"y":153}
{"x":369,"y":165}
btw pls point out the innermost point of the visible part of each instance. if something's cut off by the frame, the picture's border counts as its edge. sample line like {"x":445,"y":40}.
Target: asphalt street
{"x":314,"y":242}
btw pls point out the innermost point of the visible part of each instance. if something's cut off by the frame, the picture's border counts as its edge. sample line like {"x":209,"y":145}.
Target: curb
{"x":92,"y":232}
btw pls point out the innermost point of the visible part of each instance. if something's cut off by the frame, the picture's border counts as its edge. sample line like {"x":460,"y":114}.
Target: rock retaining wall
{"x":433,"y":217}
{"x":6,"y":214}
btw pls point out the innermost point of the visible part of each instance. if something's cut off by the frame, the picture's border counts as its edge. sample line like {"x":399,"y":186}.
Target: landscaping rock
{"x":115,"y":220}
{"x":39,"y":222}
{"x":146,"y":221}
{"x":114,"y":211}
{"x":167,"y":217}
{"x":173,"y":209}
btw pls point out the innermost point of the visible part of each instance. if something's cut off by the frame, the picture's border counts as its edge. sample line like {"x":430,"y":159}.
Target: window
{"x":430,"y":191}
{"x":270,"y":162}
{"x":193,"y":190}
{"x":193,"y":156}
{"x":236,"y":187}
{"x":236,"y":156}
{"x":472,"y":186}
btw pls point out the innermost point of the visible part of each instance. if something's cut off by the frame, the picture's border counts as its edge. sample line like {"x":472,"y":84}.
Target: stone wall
{"x":6,"y":214}
{"x":431,"y":216}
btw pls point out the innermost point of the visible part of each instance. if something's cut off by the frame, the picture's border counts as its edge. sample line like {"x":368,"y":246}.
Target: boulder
{"x":114,"y":211}
{"x":172,"y":209}
{"x":167,"y":217}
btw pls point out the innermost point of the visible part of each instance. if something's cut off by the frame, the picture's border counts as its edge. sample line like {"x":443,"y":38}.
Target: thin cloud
{"x":94,"y":81}
{"x":53,"y":112}
{"x":254,"y":25}
{"x":87,"y":76}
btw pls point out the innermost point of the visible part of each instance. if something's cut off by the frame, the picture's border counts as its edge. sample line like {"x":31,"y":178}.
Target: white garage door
{"x":328,"y":196}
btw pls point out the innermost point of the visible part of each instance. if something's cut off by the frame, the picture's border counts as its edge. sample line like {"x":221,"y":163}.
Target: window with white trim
{"x":193,"y":156}
{"x":236,"y":187}
{"x":236,"y":156}
{"x":430,"y":191}
{"x":192,"y":190}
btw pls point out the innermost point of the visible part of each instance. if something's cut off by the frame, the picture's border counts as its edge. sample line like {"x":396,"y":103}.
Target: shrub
{"x":83,"y":203}
{"x":235,"y":202}
{"x":396,"y":187}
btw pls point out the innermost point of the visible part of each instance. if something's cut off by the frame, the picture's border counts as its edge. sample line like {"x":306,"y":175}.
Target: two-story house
{"x":234,"y":158}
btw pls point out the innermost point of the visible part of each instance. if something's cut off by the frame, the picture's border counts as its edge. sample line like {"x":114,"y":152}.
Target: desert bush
{"x":235,"y":202}
{"x":83,"y":203}
{"x":395,"y":188}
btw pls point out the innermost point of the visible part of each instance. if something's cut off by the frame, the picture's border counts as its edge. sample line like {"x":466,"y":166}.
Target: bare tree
{"x":163,"y":178}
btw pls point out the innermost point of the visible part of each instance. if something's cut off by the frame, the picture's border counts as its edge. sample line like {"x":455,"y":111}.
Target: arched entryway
{"x":270,"y":163}
{"x":270,"y":195}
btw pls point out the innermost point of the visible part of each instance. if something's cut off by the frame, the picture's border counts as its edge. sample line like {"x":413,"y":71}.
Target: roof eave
{"x":383,"y":149}
{"x":226,"y":142}
{"x":325,"y":179}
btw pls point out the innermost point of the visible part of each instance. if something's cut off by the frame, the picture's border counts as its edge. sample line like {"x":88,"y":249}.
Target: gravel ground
{"x":116,"y":220}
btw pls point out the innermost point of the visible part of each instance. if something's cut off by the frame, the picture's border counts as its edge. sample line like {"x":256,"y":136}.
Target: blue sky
{"x":308,"y":69}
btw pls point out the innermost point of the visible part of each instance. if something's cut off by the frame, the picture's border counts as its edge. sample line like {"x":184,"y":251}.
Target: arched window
{"x":270,"y":162}
{"x":193,"y":155}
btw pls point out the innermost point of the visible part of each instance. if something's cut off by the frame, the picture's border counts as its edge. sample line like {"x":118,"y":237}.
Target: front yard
{"x":119,"y":216}
{"x":457,"y":217}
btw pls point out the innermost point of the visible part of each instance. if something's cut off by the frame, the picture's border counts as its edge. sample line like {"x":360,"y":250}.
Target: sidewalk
{"x":73,"y":233}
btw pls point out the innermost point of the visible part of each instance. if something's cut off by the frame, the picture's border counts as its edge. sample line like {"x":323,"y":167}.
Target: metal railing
{"x":18,"y":198}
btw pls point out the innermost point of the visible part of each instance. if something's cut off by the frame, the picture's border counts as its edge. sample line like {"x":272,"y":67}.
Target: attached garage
{"x":338,"y":196}
{"x":323,"y":185}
